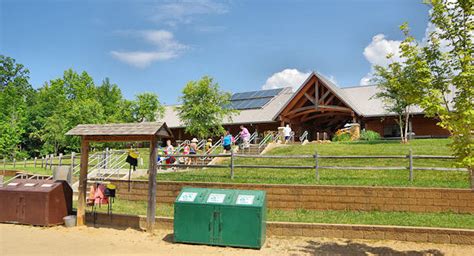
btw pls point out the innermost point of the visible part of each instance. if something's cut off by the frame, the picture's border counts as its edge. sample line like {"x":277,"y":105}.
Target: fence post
{"x":316,"y":165}
{"x":72,"y":162}
{"x":60,"y":159}
{"x":24,"y":162}
{"x":14,"y":163}
{"x":4,"y":163}
{"x":232,"y":164}
{"x":42,"y":162}
{"x":35,"y":161}
{"x":51,"y":161}
{"x":410,"y":161}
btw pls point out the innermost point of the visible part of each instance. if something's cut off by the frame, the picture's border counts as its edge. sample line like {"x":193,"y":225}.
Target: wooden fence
{"x":49,"y":161}
{"x":316,"y":166}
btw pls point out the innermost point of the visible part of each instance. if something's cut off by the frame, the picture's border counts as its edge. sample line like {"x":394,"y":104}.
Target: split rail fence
{"x":317,"y":167}
{"x":73,"y":161}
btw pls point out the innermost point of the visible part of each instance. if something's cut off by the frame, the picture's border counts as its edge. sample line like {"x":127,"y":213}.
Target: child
{"x":227,"y":142}
{"x":208,"y":145}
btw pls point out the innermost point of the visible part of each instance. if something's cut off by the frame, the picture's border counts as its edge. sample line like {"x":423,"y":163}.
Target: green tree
{"x":16,"y":95}
{"x":401,"y":82}
{"x":204,"y":107}
{"x":442,"y":74}
{"x":146,"y":107}
{"x":453,"y":73}
{"x":110,"y":97}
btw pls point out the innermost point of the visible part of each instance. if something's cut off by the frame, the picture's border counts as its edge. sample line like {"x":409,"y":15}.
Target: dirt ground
{"x":28,"y":240}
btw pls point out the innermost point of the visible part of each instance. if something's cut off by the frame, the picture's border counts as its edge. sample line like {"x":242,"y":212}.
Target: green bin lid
{"x":241,"y":198}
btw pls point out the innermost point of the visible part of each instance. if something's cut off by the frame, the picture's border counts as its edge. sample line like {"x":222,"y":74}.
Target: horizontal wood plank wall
{"x":314,"y":197}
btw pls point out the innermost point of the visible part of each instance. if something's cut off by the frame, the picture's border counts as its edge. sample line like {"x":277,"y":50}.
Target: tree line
{"x":33,"y":122}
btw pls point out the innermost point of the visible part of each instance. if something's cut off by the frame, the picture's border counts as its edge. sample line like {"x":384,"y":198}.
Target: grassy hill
{"x":454,"y":179}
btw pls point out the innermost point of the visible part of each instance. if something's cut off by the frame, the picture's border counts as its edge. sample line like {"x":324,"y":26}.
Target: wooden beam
{"x":294,"y":111}
{"x":320,"y":115}
{"x":308,"y":111}
{"x":151,"y":209}
{"x":329,"y":100}
{"x":296,"y":99}
{"x":334,"y":107}
{"x":321,"y":100}
{"x":118,"y":138}
{"x":310,"y":98}
{"x":316,"y":93}
{"x":81,"y":200}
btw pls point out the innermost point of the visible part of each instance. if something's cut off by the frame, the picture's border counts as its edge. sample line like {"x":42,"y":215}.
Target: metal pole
{"x":410,"y":160}
{"x":42,"y":162}
{"x":232,"y":164}
{"x":14,"y":163}
{"x":35,"y":160}
{"x":316,"y":165}
{"x":24,"y":162}
{"x":51,"y":162}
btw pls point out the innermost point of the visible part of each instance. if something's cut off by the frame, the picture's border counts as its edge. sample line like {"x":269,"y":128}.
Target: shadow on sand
{"x":353,"y":248}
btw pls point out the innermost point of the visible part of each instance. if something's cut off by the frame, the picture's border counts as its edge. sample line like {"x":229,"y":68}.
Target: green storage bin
{"x":220,"y":217}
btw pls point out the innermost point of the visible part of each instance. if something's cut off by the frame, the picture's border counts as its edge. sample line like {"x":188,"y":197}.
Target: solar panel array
{"x":252,"y":100}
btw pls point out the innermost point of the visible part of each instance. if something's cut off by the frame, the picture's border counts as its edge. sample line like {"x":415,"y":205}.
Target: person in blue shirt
{"x":227,"y":142}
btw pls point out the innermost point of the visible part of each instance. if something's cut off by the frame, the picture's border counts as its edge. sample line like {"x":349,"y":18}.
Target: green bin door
{"x":242,"y":222}
{"x":193,"y":219}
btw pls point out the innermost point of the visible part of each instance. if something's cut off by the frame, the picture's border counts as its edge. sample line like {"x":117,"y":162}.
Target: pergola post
{"x":151,"y":210}
{"x":81,"y":200}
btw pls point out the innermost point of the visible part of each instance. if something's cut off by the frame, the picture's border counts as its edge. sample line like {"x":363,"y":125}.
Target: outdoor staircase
{"x":253,"y":149}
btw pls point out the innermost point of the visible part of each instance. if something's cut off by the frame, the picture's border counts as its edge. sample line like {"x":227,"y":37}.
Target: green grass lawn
{"x":452,"y":179}
{"x":445,"y":220}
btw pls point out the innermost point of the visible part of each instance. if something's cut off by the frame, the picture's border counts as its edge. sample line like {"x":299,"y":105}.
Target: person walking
{"x":227,"y":142}
{"x":193,"y":150}
{"x":186,"y":150}
{"x":169,"y":151}
{"x":244,"y":136}
{"x":287,"y":133}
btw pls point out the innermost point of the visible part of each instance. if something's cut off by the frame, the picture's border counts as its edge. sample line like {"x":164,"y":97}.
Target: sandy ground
{"x":28,"y":240}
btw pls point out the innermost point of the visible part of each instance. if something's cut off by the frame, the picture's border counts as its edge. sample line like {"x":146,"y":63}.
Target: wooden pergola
{"x":151,"y":132}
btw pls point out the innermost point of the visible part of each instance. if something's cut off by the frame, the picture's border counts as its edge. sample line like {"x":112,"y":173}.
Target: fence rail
{"x":317,"y":167}
{"x":47,"y":162}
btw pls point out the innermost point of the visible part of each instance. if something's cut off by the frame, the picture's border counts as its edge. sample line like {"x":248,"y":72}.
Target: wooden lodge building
{"x":318,"y":105}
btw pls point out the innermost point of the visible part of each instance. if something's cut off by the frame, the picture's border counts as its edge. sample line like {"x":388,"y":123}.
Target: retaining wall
{"x":317,"y":197}
{"x":413,"y":234}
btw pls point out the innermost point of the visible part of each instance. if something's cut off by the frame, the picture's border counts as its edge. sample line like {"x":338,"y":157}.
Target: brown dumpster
{"x":35,"y":202}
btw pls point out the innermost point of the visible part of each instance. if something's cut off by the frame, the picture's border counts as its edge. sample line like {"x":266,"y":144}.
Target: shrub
{"x":369,"y":135}
{"x":342,"y":137}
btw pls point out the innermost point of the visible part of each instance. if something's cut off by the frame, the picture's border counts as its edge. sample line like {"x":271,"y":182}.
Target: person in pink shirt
{"x":245,"y":136}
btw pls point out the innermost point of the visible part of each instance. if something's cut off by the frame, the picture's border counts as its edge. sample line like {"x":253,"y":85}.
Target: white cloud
{"x":185,"y":11}
{"x":286,"y":78}
{"x":376,"y":53}
{"x":165,"y":47}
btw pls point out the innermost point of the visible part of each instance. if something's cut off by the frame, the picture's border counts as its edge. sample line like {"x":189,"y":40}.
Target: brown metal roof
{"x":148,"y":128}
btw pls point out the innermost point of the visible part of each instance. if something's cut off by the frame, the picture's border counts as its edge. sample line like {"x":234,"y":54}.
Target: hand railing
{"x":304,"y":136}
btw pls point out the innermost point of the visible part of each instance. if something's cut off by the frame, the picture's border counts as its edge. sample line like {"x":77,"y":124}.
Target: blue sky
{"x":245,"y":45}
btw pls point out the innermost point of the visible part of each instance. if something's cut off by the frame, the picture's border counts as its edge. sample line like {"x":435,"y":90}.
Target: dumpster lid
{"x":30,"y":185}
